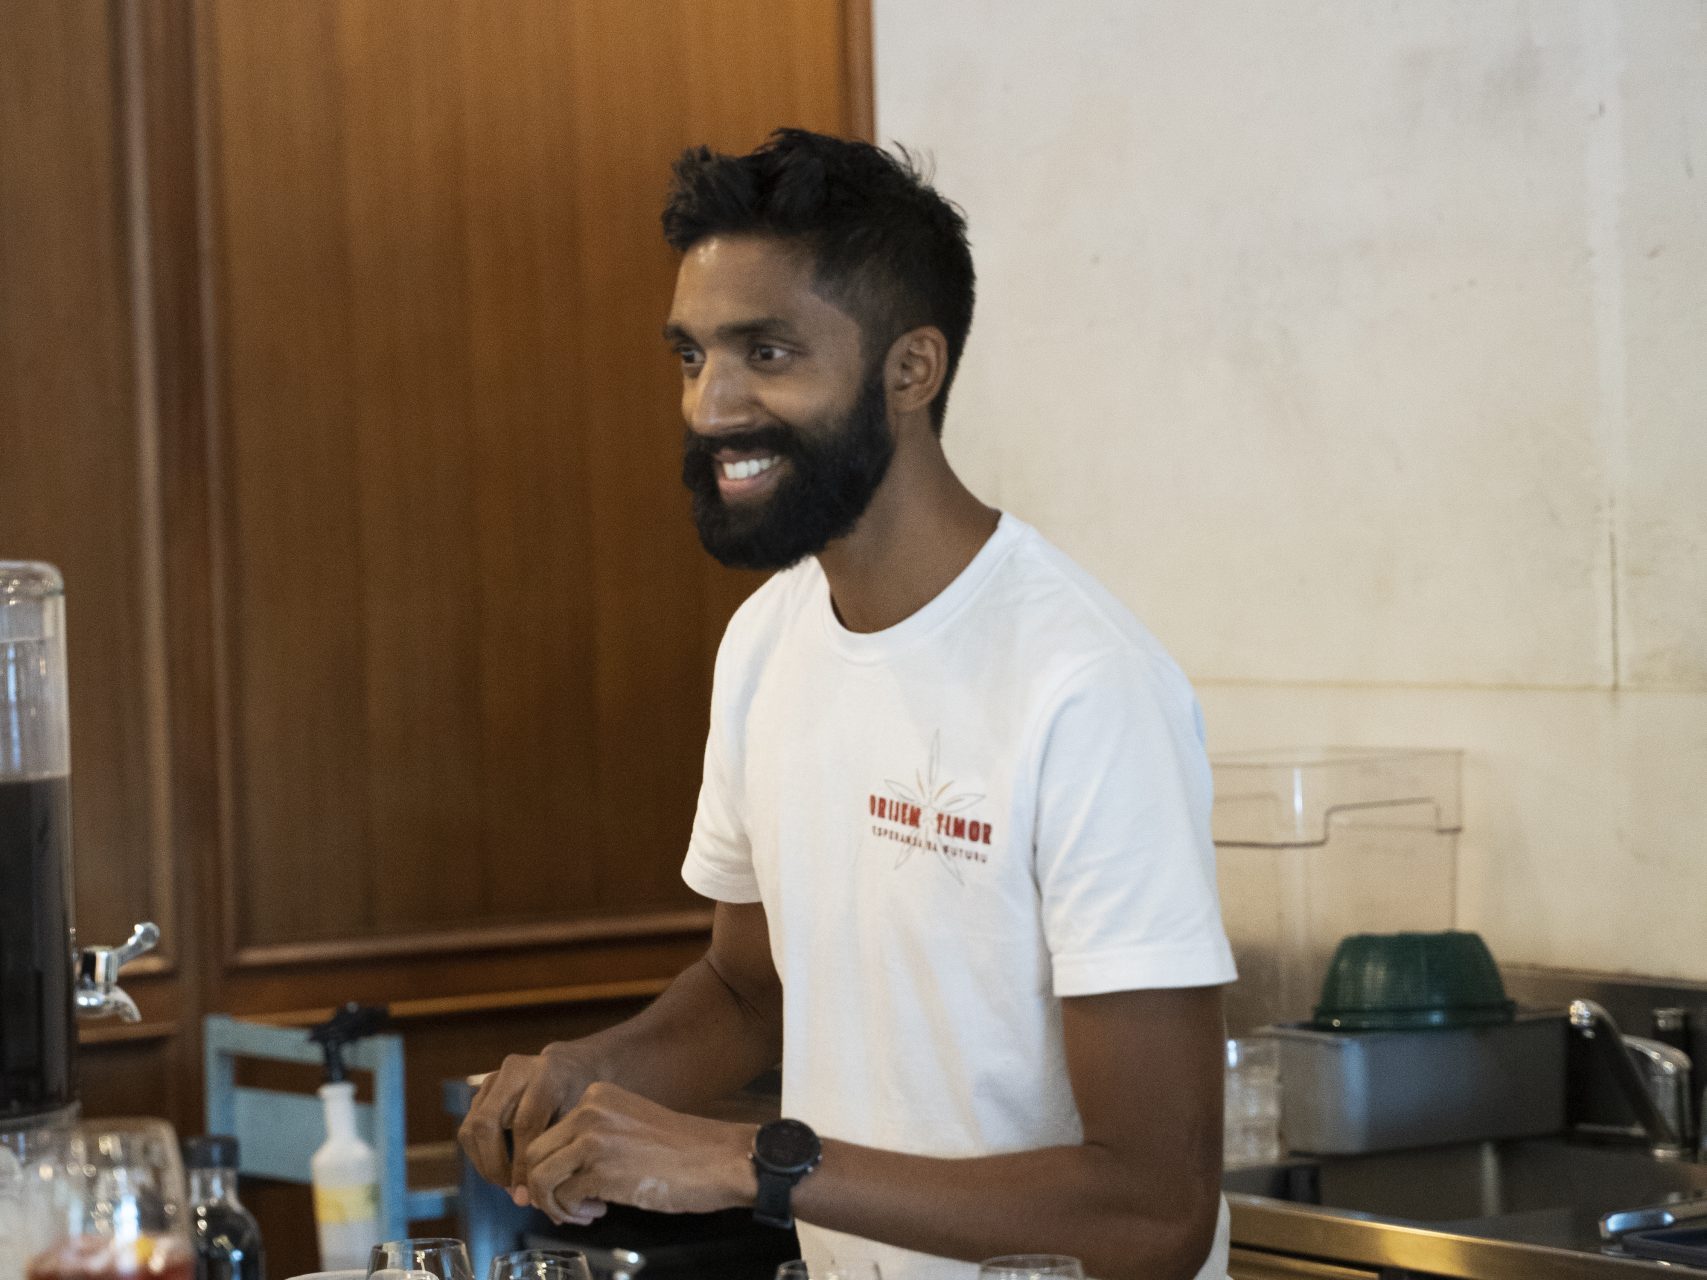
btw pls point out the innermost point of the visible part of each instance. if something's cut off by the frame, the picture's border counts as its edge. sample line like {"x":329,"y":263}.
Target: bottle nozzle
{"x":352,"y":1022}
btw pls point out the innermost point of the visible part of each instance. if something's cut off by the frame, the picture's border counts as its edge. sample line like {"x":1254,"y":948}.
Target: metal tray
{"x":1345,"y":1093}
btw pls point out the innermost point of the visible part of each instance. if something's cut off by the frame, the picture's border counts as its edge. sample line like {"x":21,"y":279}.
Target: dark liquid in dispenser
{"x":37,"y":1035}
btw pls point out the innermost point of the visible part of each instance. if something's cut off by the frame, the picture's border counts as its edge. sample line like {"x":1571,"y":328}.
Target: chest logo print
{"x":930,"y":817}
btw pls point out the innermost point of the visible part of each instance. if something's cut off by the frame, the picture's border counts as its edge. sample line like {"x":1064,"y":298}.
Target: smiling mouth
{"x":744,"y":476}
{"x":747,"y":468}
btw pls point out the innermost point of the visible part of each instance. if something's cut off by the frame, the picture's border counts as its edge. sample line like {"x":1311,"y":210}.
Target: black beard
{"x":833,"y":471}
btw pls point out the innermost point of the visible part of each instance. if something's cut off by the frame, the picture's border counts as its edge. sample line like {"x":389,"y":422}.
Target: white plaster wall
{"x":1362,"y":348}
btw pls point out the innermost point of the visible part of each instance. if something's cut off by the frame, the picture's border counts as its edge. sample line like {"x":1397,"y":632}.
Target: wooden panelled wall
{"x":330,"y":375}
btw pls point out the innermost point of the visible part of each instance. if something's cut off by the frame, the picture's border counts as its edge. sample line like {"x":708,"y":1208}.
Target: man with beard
{"x":954,"y":813}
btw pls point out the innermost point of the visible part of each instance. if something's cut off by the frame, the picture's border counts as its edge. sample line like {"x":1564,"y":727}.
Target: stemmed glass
{"x":109,"y":1202}
{"x":1031,"y":1266}
{"x":541,"y":1264}
{"x":439,"y":1256}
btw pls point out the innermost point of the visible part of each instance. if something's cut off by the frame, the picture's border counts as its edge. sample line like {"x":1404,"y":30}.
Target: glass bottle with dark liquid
{"x":37,"y":947}
{"x":227,"y":1238}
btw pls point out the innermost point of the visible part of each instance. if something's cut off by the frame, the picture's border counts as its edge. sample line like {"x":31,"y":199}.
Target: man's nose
{"x":717,"y":400}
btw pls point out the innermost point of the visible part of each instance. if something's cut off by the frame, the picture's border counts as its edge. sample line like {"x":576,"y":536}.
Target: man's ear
{"x":914,"y":370}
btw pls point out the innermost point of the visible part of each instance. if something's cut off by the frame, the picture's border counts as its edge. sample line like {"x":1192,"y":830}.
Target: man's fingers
{"x":482,"y":1137}
{"x":585,"y":1212}
{"x":535,"y":1112}
{"x":552,"y":1180}
{"x":483,"y":1131}
{"x":582,"y":1213}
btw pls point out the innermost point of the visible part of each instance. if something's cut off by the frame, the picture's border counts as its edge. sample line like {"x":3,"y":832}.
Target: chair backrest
{"x":278,"y":1132}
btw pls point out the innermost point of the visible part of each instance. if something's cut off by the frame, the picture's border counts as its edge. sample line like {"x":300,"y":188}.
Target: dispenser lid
{"x":1293,"y":797}
{"x":30,"y":592}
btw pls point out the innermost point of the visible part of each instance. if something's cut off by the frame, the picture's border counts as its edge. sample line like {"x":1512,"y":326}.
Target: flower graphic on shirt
{"x":933,"y":797}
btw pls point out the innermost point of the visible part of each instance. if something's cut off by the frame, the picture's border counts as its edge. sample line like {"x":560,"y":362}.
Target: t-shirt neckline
{"x":874,"y":646}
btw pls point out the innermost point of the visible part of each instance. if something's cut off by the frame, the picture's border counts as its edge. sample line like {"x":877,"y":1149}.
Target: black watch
{"x":784,"y":1152}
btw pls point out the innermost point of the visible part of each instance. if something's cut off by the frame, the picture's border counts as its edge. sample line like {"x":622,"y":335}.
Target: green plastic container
{"x":1411,"y":981}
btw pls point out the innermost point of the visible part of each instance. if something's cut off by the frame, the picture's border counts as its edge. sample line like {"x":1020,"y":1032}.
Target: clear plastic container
{"x":1316,"y":843}
{"x":1250,"y":1113}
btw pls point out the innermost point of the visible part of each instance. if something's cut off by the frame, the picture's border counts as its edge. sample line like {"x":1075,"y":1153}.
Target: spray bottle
{"x":345,"y":1170}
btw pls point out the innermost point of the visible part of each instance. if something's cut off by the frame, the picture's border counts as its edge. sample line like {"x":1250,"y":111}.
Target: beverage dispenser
{"x":45,"y":979}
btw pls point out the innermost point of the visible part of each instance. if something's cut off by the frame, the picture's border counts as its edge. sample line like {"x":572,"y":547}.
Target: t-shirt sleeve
{"x":719,"y":863}
{"x":1125,"y":862}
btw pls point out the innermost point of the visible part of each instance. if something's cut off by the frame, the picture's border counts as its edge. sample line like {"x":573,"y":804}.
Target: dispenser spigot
{"x":98,"y":990}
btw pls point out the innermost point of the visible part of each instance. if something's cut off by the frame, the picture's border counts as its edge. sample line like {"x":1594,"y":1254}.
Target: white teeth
{"x":747,"y":470}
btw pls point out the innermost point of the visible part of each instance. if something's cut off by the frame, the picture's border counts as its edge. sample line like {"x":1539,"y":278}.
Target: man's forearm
{"x":1082,"y":1201}
{"x":1137,"y":1198}
{"x":697,"y":1042}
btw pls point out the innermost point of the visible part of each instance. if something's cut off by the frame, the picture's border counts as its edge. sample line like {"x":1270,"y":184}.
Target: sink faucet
{"x":1663,"y":1121}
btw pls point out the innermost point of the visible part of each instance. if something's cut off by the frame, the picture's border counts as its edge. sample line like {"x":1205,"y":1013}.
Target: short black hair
{"x":885,"y":247}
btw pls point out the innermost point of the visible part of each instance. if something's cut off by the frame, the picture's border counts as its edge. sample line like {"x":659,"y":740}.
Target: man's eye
{"x":691,"y":359}
{"x":764,"y":353}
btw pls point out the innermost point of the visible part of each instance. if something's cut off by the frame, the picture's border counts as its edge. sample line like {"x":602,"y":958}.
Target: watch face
{"x":786,"y":1144}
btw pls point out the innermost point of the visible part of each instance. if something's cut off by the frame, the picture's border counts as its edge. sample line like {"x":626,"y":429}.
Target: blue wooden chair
{"x":277,"y":1132}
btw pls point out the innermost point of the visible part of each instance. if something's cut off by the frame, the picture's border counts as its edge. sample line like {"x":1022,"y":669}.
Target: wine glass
{"x":1031,"y":1266}
{"x":437,"y":1256}
{"x":541,"y":1264}
{"x":800,"y":1269}
{"x":109,"y":1201}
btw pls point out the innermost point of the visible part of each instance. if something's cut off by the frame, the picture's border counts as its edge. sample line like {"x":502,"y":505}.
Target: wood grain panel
{"x":651,"y":685}
{"x":81,"y":479}
{"x":658,"y":924}
{"x":533,"y":518}
{"x":468,"y":624}
{"x":132,"y":1077}
{"x":407,"y":228}
{"x":329,"y":361}
{"x":325,"y":981}
{"x":861,"y":120}
{"x":725,"y":77}
{"x":290,"y":592}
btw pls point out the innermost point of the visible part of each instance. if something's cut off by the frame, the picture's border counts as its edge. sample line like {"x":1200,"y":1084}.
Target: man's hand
{"x":515,"y":1105}
{"x":716,"y":1027}
{"x":618,"y":1146}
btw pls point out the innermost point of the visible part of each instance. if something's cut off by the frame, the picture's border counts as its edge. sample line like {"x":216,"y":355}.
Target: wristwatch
{"x":784,"y":1152}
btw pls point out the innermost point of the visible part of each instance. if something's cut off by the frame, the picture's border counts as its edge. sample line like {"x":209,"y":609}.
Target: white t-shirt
{"x":997,"y":802}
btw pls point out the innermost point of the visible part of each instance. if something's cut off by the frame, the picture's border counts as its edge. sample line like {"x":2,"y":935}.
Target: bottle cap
{"x":213,"y":1151}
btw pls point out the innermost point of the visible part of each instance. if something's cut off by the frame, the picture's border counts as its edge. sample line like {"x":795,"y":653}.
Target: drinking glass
{"x":541,"y":1264}
{"x":1250,"y":1131}
{"x":439,"y":1256}
{"x":108,"y":1201}
{"x":1031,"y":1266}
{"x":800,"y":1269}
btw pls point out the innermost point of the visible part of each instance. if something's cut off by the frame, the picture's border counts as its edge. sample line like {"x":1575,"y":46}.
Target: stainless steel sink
{"x":1542,"y":1192}
{"x":1477,"y":1180}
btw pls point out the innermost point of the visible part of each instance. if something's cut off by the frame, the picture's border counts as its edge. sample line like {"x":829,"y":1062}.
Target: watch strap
{"x":771,"y":1205}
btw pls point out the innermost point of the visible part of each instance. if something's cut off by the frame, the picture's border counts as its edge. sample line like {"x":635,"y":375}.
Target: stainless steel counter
{"x":1481,"y":1211}
{"x":1358,"y":1240}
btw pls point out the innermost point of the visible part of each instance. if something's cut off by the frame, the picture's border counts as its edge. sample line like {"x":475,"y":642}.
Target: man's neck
{"x":922,"y":529}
